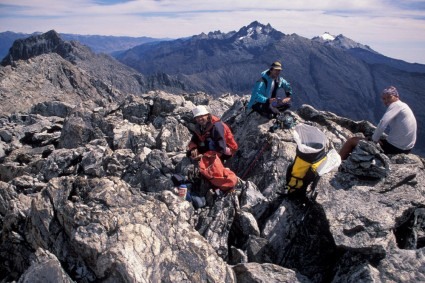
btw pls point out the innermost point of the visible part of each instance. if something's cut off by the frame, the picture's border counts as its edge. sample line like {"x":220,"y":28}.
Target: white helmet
{"x":200,"y":110}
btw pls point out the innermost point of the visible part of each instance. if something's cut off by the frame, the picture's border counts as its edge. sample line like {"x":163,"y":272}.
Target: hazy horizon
{"x":393,"y":28}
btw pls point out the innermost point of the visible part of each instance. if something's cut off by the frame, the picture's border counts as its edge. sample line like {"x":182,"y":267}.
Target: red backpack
{"x":228,"y":135}
{"x":211,"y":167}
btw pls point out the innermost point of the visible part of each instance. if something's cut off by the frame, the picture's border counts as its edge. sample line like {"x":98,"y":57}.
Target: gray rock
{"x":367,"y":161}
{"x":52,"y":108}
{"x":255,"y":272}
{"x":62,"y":162}
{"x":153,"y":174}
{"x":114,"y":226}
{"x":117,"y":163}
{"x":80,"y":127}
{"x":2,"y":151}
{"x":93,"y":160}
{"x":248,"y":224}
{"x":173,"y":136}
{"x":5,"y":135}
{"x":137,"y":109}
{"x":237,"y":256}
{"x":45,"y":268}
{"x":215,"y":227}
{"x":28,"y":184}
{"x":259,"y":250}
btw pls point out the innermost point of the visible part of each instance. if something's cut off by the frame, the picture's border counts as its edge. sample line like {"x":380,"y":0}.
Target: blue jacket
{"x":260,"y":93}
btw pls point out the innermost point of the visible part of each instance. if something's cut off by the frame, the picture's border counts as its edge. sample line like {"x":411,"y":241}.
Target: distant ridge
{"x":45,"y":68}
{"x":98,"y":43}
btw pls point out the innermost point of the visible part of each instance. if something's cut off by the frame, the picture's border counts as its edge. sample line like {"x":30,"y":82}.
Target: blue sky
{"x":393,"y":28}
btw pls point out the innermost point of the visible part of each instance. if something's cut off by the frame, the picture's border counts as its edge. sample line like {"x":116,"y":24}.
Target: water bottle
{"x":182,"y":191}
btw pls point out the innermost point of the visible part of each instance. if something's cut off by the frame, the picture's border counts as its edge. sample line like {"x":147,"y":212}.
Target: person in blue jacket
{"x":265,"y":98}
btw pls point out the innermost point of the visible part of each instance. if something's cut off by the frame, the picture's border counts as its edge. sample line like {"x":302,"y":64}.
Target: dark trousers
{"x":390,"y":149}
{"x":266,"y":110}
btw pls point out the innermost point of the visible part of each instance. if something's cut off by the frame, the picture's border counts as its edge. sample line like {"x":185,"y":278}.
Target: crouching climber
{"x":265,"y":98}
{"x":211,"y":144}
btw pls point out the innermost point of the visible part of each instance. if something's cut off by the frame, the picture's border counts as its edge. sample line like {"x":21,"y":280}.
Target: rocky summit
{"x":86,"y":195}
{"x":88,"y":163}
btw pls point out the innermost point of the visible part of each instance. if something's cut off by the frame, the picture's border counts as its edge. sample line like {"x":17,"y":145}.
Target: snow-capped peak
{"x":327,"y":36}
{"x":340,"y":41}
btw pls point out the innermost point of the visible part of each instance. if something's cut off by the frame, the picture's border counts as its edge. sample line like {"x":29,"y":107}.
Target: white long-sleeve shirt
{"x":402,"y":126}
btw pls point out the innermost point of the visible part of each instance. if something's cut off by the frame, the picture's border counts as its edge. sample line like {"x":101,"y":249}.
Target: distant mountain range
{"x":97,"y":43}
{"x":331,"y":73}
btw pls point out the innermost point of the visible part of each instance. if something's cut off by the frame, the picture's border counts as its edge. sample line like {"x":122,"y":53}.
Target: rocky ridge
{"x":86,"y":196}
{"x":48,"y":68}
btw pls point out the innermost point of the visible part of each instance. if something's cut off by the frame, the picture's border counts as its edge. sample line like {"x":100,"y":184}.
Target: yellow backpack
{"x":310,"y":153}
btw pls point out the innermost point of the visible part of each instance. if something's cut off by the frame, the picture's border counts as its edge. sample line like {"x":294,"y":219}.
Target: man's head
{"x":201,"y":115}
{"x":275,"y":69}
{"x":389,"y":95}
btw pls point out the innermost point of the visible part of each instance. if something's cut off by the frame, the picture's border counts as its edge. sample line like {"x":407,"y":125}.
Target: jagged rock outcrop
{"x":49,"y":42}
{"x":367,"y":161}
{"x":86,"y":195}
{"x":47,"y":68}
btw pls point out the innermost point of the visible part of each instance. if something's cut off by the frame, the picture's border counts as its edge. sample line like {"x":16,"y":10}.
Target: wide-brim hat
{"x":200,"y":110}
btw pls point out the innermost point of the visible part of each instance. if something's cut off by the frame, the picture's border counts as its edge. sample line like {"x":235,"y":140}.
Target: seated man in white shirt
{"x":400,"y":121}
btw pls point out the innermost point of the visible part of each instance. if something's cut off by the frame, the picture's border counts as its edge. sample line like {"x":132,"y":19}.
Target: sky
{"x":394,"y":28}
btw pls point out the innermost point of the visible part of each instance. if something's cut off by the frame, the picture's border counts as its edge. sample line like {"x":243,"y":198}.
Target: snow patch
{"x":327,"y":36}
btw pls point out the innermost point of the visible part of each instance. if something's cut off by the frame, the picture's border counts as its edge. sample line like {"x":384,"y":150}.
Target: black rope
{"x":255,"y":159}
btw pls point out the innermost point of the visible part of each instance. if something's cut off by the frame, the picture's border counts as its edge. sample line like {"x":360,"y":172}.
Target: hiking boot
{"x":209,"y":198}
{"x":198,"y":202}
